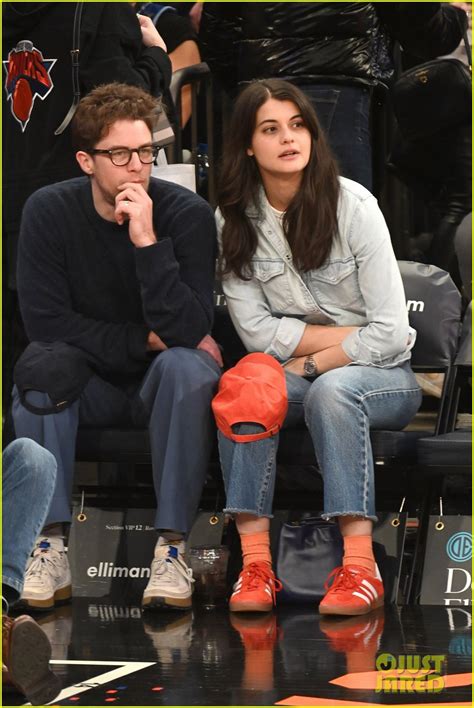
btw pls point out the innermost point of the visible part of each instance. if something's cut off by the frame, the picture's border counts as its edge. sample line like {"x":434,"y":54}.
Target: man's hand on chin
{"x":133,"y":203}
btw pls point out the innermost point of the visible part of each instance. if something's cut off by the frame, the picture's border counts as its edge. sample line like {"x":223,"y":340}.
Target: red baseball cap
{"x":253,"y":391}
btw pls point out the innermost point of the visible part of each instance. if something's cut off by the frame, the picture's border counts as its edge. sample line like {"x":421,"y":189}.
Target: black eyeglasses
{"x":122,"y":156}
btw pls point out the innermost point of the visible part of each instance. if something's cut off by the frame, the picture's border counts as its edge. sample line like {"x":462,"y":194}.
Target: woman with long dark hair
{"x":311,"y":279}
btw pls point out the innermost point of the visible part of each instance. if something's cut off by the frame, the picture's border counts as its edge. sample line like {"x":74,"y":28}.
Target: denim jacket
{"x":359,"y":285}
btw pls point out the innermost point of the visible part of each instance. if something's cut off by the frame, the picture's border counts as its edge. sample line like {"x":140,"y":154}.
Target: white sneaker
{"x":47,"y":578}
{"x":171,"y":581}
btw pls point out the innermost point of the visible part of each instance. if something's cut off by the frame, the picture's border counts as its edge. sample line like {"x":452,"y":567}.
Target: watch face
{"x":309,"y":367}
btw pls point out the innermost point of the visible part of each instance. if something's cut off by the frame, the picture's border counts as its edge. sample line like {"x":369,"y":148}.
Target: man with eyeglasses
{"x":120,"y":267}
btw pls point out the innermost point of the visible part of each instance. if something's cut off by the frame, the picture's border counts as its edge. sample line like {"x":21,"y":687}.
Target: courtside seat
{"x":451,"y":451}
{"x":434,"y":310}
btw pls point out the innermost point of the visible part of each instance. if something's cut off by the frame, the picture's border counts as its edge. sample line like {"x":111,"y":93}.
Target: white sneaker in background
{"x":47,"y":577}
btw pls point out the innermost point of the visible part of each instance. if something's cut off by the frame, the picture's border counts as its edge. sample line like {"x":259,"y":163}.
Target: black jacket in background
{"x":111,"y":49}
{"x":322,"y":41}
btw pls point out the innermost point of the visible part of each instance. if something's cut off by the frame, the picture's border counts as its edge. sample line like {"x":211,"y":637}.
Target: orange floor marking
{"x":313,"y":701}
{"x":452,"y":680}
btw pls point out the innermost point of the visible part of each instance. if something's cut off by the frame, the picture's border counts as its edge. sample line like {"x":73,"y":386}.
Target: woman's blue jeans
{"x":339,"y":408}
{"x":29,"y":476}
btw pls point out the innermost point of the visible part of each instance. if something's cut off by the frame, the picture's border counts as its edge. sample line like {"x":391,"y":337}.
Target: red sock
{"x":256,"y":547}
{"x":358,"y":551}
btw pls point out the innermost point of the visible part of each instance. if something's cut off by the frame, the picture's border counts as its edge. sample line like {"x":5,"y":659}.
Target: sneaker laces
{"x":46,"y":561}
{"x":344,"y":579}
{"x":255,"y":573}
{"x":168,"y":568}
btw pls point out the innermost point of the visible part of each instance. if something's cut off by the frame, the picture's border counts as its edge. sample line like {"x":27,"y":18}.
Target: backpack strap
{"x":467,"y":47}
{"x":76,"y":40}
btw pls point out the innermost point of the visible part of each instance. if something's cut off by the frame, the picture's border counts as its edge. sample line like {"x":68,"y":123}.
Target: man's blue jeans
{"x":174,"y":400}
{"x":339,"y":408}
{"x":29,"y":476}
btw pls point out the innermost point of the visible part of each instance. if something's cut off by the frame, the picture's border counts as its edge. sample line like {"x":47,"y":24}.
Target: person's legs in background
{"x":29,"y":473}
{"x":48,"y":577}
{"x":176,"y":398}
{"x":455,"y":198}
{"x":344,"y":113}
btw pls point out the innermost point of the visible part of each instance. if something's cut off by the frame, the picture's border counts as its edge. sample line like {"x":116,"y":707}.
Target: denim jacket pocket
{"x":337,"y":283}
{"x":272,"y":274}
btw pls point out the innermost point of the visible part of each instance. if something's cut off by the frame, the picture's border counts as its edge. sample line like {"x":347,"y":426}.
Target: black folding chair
{"x":199,"y":78}
{"x":448,"y":455}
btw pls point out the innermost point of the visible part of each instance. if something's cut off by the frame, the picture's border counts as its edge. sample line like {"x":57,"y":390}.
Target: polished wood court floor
{"x":112,"y":654}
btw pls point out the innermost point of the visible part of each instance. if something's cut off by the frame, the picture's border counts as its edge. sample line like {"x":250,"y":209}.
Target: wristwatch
{"x":310,"y":367}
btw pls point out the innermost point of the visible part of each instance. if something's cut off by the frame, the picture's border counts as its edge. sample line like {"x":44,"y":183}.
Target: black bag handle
{"x":76,"y":41}
{"x":467,"y":47}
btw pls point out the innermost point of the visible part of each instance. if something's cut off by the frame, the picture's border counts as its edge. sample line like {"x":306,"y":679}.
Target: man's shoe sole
{"x":30,"y":652}
{"x":61,"y":597}
{"x":167,"y":603}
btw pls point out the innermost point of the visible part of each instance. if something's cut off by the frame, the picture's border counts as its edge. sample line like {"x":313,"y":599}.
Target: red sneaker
{"x":354,"y":591}
{"x":255,"y":589}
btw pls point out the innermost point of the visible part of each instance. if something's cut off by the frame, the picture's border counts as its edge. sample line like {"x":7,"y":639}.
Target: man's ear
{"x":85,"y":162}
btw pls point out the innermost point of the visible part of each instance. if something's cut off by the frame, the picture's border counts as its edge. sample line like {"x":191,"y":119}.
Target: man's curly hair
{"x":105,"y":105}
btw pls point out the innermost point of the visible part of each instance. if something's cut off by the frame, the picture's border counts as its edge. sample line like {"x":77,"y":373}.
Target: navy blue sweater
{"x":82,"y":281}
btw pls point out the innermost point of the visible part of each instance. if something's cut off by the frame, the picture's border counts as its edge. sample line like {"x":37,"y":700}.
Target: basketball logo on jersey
{"x":28,"y":76}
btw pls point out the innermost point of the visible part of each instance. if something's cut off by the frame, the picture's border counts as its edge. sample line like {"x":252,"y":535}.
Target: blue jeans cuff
{"x":332,"y":514}
{"x":12,"y":583}
{"x":233,"y":511}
